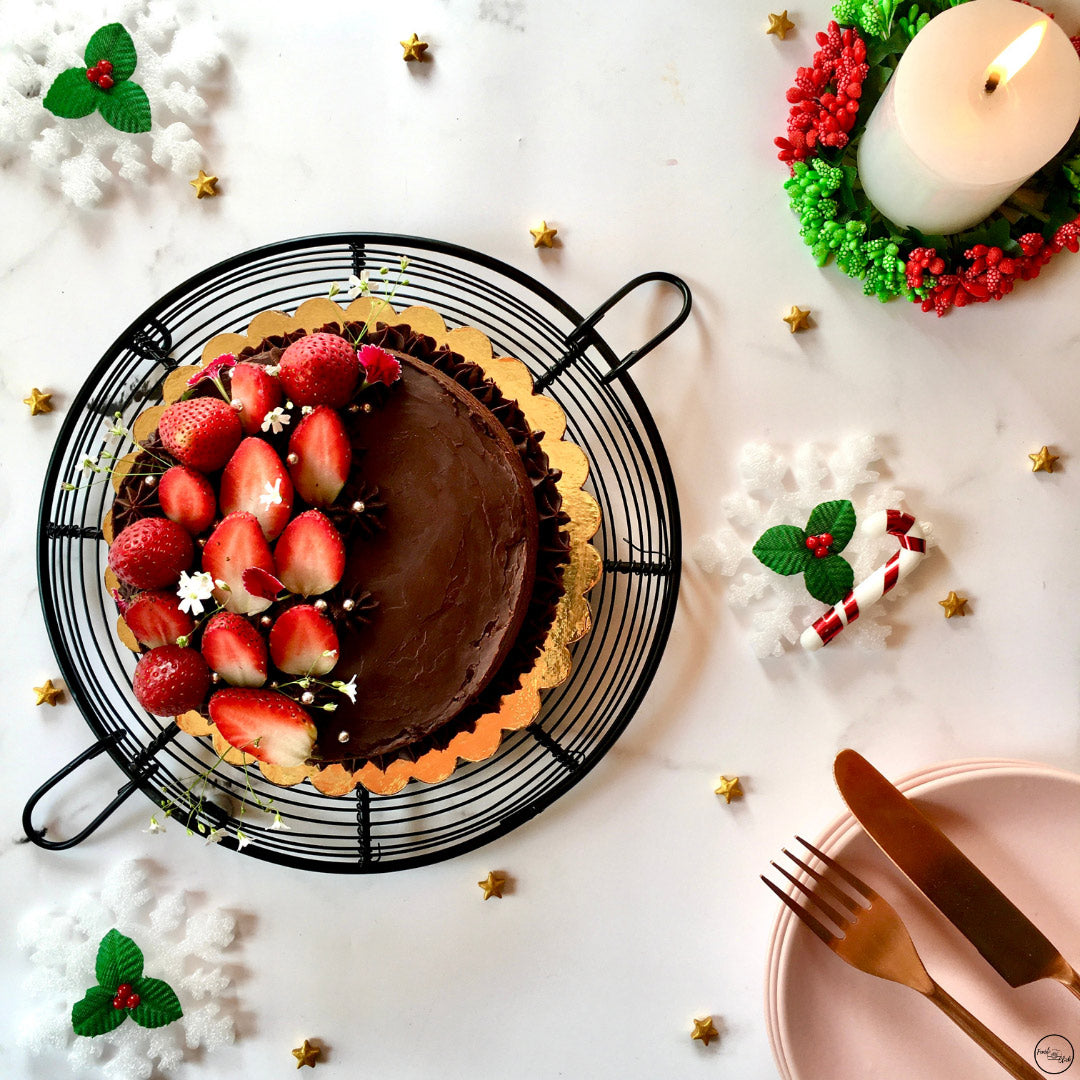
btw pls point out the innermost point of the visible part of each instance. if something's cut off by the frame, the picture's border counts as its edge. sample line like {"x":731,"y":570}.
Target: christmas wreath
{"x":830,"y":103}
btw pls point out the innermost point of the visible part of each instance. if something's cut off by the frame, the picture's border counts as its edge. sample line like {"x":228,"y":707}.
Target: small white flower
{"x":89,"y":465}
{"x":359,"y":286}
{"x":273,"y":494}
{"x":155,"y":826}
{"x":272,"y":369}
{"x":276,"y":420}
{"x":347,"y":688}
{"x":242,"y":840}
{"x":278,"y":825}
{"x":193,"y":590}
{"x":213,"y":837}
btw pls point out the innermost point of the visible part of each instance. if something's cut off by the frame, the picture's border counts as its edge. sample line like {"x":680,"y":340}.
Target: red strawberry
{"x":310,"y":554}
{"x":235,"y":650}
{"x":151,"y":552}
{"x":170,"y":680}
{"x":320,"y":369}
{"x":256,"y":392}
{"x":265,"y":724}
{"x":256,"y":481}
{"x":187,"y":498}
{"x":233,"y":547}
{"x":303,"y":641}
{"x":155,"y":619}
{"x":323,"y":455}
{"x":201,"y":432}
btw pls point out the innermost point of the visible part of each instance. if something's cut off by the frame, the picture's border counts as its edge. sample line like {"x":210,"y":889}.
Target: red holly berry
{"x":826,"y":539}
{"x":105,"y":82}
{"x":104,"y":66}
{"x":133,"y":1001}
{"x":811,"y":542}
{"x":92,"y":74}
{"x":119,"y":1002}
{"x":820,"y":551}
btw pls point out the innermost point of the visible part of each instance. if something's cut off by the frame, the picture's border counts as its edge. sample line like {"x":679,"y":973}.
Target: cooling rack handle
{"x":37,"y":836}
{"x":581,"y":332}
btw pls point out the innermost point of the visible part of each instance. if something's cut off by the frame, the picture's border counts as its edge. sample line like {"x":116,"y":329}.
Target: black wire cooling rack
{"x":633,"y":605}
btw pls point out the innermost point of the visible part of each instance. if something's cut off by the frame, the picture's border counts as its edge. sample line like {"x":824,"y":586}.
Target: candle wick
{"x":993,"y":80}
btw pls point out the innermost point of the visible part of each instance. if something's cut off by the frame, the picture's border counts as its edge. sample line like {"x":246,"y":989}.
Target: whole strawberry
{"x":170,"y":680}
{"x":151,"y":552}
{"x":201,"y":433}
{"x":320,"y":369}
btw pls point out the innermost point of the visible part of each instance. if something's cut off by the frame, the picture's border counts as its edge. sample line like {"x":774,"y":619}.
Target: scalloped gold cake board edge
{"x":573,"y":616}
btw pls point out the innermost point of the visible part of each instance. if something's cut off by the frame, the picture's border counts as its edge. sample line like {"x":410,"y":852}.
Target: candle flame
{"x":1015,"y":56}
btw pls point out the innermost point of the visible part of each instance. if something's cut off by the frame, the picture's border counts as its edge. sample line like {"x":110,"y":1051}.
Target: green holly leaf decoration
{"x":783,"y":549}
{"x":126,"y":107}
{"x":813,"y":551}
{"x":96,"y":1014}
{"x":79,"y":91}
{"x":830,"y":579}
{"x":837,"y":518}
{"x":123,"y":991}
{"x":158,"y":1005}
{"x":71,"y":96}
{"x":112,"y":43}
{"x":119,"y":960}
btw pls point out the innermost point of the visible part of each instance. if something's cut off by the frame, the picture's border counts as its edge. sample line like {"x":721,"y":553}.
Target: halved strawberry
{"x":320,"y":369}
{"x":256,"y":392}
{"x":233,"y":547}
{"x":320,"y":445}
{"x":151,"y":552}
{"x":170,"y":680}
{"x":310,"y":554}
{"x":155,"y":619}
{"x":235,"y":650}
{"x":303,"y":641}
{"x":265,"y":724}
{"x":187,"y":498}
{"x":256,"y":481}
{"x":201,"y":432}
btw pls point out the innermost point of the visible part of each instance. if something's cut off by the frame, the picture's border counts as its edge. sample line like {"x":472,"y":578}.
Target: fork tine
{"x":838,"y":918}
{"x":857,"y":884}
{"x":837,"y":894}
{"x":801,"y":913}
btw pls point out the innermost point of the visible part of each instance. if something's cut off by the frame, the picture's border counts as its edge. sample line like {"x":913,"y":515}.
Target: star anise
{"x":351,"y":608}
{"x":358,"y":510}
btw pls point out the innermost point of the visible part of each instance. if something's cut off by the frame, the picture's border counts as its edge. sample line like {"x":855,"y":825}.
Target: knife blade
{"x":1007,"y":939}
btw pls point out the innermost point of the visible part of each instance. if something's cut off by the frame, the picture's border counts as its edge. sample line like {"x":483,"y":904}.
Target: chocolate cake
{"x":450,"y":522}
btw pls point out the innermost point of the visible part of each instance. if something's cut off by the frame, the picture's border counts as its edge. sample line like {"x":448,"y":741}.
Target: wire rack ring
{"x":633,"y":607}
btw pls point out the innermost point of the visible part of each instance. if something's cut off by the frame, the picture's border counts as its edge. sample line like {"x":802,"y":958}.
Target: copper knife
{"x":1007,"y":939}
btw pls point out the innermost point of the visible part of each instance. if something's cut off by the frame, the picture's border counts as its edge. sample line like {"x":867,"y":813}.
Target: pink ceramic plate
{"x":1020,"y":823}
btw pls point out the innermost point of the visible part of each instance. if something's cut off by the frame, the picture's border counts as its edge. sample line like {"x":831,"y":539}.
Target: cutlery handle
{"x":1072,"y":981}
{"x":1000,"y":1051}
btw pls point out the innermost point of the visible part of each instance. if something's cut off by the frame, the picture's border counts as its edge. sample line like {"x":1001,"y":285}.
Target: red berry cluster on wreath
{"x":825,"y":97}
{"x":991,"y":274}
{"x":101,"y":75}
{"x":819,"y":544}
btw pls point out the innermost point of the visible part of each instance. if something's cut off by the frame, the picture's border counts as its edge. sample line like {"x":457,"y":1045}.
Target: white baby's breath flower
{"x":346,"y":688}
{"x":272,"y":369}
{"x":272,"y":497}
{"x":276,"y":420}
{"x":193,"y":589}
{"x":213,"y":837}
{"x":242,"y":840}
{"x":359,"y":286}
{"x":155,"y":826}
{"x":277,"y":825}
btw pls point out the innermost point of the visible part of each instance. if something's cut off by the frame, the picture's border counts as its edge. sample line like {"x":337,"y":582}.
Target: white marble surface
{"x":645,"y":137}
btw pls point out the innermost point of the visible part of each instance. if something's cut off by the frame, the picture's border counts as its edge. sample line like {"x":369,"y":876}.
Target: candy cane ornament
{"x":885,"y":578}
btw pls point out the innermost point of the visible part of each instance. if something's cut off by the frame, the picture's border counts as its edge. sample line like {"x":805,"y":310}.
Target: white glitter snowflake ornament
{"x":178,"y":57}
{"x":778,"y":491}
{"x":185,"y":950}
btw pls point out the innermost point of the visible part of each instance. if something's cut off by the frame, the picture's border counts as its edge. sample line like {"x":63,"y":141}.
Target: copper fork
{"x":875,"y":940}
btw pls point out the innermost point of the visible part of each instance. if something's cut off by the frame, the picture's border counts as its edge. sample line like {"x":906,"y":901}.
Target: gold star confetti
{"x":493,"y":884}
{"x":544,"y":237}
{"x":414,"y":49}
{"x":1043,"y":461}
{"x":705,"y":1029}
{"x":780,"y":25}
{"x":38,"y":402}
{"x":730,"y":788}
{"x":204,"y":185}
{"x":306,"y":1054}
{"x":48,"y":694}
{"x":953,"y":605}
{"x":798,"y":319}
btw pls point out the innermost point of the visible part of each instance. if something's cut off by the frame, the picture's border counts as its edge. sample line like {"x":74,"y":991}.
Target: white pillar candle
{"x":942,"y":150}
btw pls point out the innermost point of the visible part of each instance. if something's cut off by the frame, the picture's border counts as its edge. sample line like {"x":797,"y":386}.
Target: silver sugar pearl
{"x":150,"y":481}
{"x":215,"y":678}
{"x":349,"y":604}
{"x":273,"y":686}
{"x":320,"y":605}
{"x":237,"y":404}
{"x":358,"y":507}
{"x":353,"y":409}
{"x":266,"y":620}
{"x":366,"y":406}
{"x":293,"y":459}
{"x":307,"y":697}
{"x":343,"y":736}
